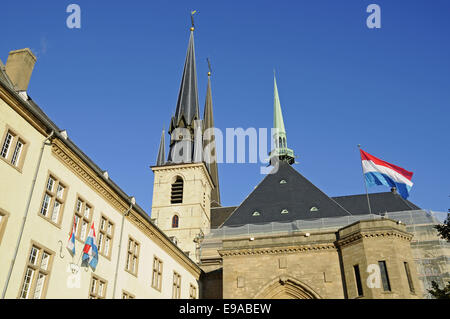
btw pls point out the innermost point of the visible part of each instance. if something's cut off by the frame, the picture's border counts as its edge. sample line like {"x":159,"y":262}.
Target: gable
{"x":284,"y":196}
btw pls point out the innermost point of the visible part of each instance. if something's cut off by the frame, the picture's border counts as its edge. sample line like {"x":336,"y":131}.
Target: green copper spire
{"x":280,"y":151}
{"x":278,"y":122}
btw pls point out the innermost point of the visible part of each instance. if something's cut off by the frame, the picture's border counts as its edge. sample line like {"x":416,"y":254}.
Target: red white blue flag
{"x":90,"y":251}
{"x":71,"y":242}
{"x":379,"y":172}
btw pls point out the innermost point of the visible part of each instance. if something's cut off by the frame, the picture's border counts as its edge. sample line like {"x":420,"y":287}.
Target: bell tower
{"x":183,"y":184}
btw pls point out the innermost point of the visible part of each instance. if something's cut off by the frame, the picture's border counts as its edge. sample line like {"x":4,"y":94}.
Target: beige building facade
{"x":47,"y":184}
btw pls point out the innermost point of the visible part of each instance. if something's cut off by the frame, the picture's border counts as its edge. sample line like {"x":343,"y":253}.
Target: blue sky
{"x":113,"y":84}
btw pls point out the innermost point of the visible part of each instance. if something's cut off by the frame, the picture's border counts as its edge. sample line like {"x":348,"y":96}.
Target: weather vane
{"x":192,"y":19}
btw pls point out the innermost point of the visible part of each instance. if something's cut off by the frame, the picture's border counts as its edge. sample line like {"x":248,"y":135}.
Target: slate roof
{"x":187,"y":103}
{"x":220,"y":214}
{"x":379,"y":203}
{"x":286,"y":189}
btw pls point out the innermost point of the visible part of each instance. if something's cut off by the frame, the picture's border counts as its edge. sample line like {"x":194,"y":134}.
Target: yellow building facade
{"x":47,"y":184}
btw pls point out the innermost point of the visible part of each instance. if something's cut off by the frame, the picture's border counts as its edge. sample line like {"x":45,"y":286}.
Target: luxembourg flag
{"x":90,"y":251}
{"x":71,"y":242}
{"x":379,"y":172}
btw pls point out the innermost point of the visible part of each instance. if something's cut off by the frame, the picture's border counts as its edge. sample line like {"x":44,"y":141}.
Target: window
{"x":157,"y":273}
{"x":177,"y":191}
{"x":97,"y":289}
{"x":13,"y":149}
{"x":127,"y":295}
{"x":132,"y":256}
{"x":37,"y":272}
{"x":283,"y":181}
{"x":176,"y":286}
{"x":17,"y":152}
{"x":192,"y":292}
{"x":384,"y":276}
{"x":285,"y":211}
{"x":83,"y":217}
{"x":314,"y":209}
{"x":3,"y":218}
{"x":256,"y":213}
{"x":175,"y":221}
{"x":408,"y":276}
{"x":53,"y":200}
{"x":6,"y":145}
{"x":358,"y":280}
{"x":105,"y":236}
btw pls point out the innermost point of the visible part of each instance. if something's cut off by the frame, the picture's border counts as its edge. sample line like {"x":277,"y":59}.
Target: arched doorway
{"x":286,"y":288}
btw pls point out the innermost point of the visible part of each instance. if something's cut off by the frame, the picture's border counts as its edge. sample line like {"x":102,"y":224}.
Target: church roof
{"x":379,"y":203}
{"x":209,"y":145}
{"x":283,"y":196}
{"x":187,"y":103}
{"x":160,"y":160}
{"x":220,"y":214}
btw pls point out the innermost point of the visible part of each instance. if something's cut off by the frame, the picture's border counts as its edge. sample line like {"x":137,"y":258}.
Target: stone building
{"x":287,"y":239}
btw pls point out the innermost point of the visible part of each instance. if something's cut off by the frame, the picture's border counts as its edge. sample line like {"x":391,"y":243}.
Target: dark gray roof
{"x":160,"y":160}
{"x":4,"y":76}
{"x":210,"y":143}
{"x":379,"y":203}
{"x":187,"y":104}
{"x":187,"y":111}
{"x":220,"y":214}
{"x":286,"y":189}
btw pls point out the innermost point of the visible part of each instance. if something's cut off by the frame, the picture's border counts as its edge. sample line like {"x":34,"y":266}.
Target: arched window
{"x":175,"y":220}
{"x":177,"y":191}
{"x":280,"y":142}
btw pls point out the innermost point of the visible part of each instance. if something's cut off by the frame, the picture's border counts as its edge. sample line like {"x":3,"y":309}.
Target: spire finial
{"x":192,"y":20}
{"x":209,"y":67}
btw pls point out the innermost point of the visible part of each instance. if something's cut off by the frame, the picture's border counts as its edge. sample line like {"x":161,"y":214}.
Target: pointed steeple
{"x":161,"y":159}
{"x":278,"y":122}
{"x":281,"y":151}
{"x":187,"y":104}
{"x":209,"y":144}
{"x":187,"y":111}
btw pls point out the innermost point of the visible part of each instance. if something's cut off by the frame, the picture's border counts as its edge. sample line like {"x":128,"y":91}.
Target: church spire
{"x":281,"y":151}
{"x":187,"y":110}
{"x":209,"y":144}
{"x":160,"y":160}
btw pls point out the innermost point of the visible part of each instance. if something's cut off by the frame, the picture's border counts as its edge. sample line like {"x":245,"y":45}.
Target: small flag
{"x":379,"y":172}
{"x":71,"y":242}
{"x":90,"y":251}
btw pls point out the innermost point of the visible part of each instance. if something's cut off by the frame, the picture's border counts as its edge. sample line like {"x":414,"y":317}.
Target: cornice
{"x":384,"y":234}
{"x":71,"y":161}
{"x":177,"y":167}
{"x":18,"y":106}
{"x":276,"y":250}
{"x":151,"y":231}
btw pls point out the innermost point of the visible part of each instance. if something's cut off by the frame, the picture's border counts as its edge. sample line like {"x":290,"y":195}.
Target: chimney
{"x":19,"y":67}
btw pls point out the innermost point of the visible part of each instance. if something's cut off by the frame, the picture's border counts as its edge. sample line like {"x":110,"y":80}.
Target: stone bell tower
{"x":183,"y":185}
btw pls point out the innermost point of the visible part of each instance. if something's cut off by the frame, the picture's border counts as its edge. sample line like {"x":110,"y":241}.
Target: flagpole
{"x":365,"y":184}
